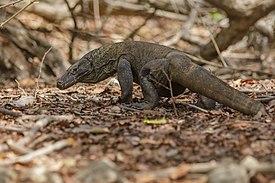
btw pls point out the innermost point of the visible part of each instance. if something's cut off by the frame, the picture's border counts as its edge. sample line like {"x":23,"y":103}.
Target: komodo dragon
{"x":154,"y":67}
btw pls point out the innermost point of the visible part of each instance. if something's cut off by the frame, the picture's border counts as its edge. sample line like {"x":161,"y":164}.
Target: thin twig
{"x":171,"y":92}
{"x":196,"y":107}
{"x":72,"y":14}
{"x":211,"y":35}
{"x":81,"y":34}
{"x":17,"y":13}
{"x":18,"y":85}
{"x":10,"y":4}
{"x":267,"y":98}
{"x":249,"y":70}
{"x":124,"y":106}
{"x":170,"y":88}
{"x":202,"y":61}
{"x":40,"y":70}
{"x":257,"y":91}
{"x":73,"y":33}
{"x":166,"y":87}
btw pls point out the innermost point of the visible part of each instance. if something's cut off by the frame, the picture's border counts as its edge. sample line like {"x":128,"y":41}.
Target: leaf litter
{"x":100,"y":127}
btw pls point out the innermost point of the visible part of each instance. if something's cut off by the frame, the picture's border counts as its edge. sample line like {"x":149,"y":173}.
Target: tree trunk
{"x":242,"y":14}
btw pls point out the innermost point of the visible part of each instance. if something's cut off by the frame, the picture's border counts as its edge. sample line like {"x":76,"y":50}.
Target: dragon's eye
{"x":74,"y":70}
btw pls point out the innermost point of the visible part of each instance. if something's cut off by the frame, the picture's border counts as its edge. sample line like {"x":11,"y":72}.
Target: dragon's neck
{"x":107,"y":52}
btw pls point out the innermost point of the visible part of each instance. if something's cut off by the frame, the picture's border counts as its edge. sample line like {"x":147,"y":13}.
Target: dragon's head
{"x":93,"y":67}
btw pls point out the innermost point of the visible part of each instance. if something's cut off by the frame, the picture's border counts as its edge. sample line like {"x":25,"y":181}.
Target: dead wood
{"x":57,"y":10}
{"x":184,"y":32}
{"x":17,"y":128}
{"x":231,"y":173}
{"x":101,"y":171}
{"x":42,"y":121}
{"x":9,"y":112}
{"x":242,"y":15}
{"x":34,"y":154}
{"x":162,"y":8}
{"x":52,"y":10}
{"x":21,"y":44}
{"x":210,"y":172}
{"x":17,"y":13}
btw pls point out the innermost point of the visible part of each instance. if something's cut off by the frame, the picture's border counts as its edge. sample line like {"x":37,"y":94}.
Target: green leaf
{"x":155,"y":121}
{"x":216,"y":15}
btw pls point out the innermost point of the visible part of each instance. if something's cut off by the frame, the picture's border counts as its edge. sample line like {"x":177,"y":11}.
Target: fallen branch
{"x":242,"y":14}
{"x":184,"y":31}
{"x":122,"y":7}
{"x":175,"y":172}
{"x":13,"y":128}
{"x":42,"y":121}
{"x":21,"y":38}
{"x":41,"y":139}
{"x":18,"y":148}
{"x":10,"y":112}
{"x":73,"y":33}
{"x":209,"y":172}
{"x":37,"y":153}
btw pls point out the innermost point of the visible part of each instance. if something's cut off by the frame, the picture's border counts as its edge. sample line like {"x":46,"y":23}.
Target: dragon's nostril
{"x":59,"y":83}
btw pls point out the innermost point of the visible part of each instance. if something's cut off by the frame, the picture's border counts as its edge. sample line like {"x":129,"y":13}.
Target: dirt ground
{"x":97,"y":126}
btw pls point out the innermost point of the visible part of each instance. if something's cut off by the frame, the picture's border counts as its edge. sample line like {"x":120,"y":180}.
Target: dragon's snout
{"x":59,"y":84}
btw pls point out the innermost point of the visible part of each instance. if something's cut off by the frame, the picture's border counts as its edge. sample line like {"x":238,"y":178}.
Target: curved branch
{"x":73,"y":33}
{"x":239,"y":23}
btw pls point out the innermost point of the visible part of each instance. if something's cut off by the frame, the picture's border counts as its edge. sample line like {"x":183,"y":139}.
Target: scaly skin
{"x":154,"y":67}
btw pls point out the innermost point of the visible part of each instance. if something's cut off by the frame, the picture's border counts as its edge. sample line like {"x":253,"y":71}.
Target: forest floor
{"x":94,"y":125}
{"x":49,"y":135}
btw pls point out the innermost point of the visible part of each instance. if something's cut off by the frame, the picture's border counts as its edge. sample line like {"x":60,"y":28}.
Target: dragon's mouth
{"x":68,"y":80}
{"x":62,"y":85}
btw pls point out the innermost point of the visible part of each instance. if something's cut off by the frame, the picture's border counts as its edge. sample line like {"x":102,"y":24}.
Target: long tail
{"x":199,"y":80}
